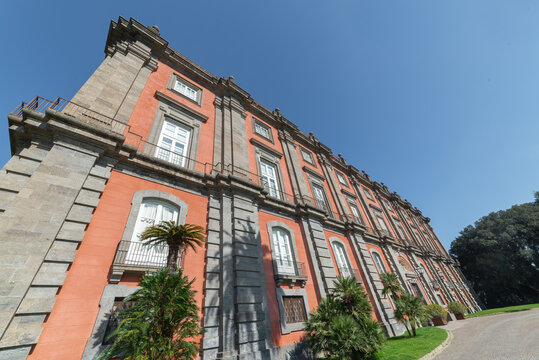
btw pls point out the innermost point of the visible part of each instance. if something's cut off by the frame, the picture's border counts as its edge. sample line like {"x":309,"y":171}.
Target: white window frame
{"x":341,"y":178}
{"x":355,"y":212}
{"x":378,"y":262}
{"x":185,"y":88}
{"x":167,"y":151}
{"x":368,"y":193}
{"x":307,"y":156}
{"x":273,"y":189}
{"x":151,"y":255}
{"x":262,"y":129}
{"x":283,"y":251}
{"x":342,"y":259}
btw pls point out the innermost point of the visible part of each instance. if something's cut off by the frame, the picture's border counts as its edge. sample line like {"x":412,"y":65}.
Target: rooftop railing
{"x":137,"y":143}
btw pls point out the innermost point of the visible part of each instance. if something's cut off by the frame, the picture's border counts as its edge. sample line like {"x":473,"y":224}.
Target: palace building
{"x":152,"y":136}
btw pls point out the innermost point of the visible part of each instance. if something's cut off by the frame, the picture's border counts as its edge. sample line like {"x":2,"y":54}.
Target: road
{"x":512,"y":336}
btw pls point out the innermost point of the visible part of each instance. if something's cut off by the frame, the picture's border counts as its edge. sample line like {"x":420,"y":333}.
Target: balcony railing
{"x":435,"y":284}
{"x":349,"y":273}
{"x":132,"y":255}
{"x":289,"y":270}
{"x":450,"y":285}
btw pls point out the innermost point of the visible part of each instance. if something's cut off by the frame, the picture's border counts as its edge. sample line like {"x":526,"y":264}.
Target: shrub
{"x":162,"y":325}
{"x":457,"y":308}
{"x":342,"y":326}
{"x":436,"y":311}
{"x":411,"y":312}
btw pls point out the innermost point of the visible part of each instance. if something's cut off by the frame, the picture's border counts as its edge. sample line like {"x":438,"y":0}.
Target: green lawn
{"x":406,"y":348}
{"x":502,"y":310}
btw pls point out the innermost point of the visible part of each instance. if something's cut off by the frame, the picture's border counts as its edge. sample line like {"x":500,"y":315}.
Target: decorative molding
{"x":165,"y":98}
{"x":266,"y":148}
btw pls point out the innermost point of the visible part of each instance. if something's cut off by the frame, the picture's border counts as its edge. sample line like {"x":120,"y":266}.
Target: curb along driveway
{"x":512,"y":336}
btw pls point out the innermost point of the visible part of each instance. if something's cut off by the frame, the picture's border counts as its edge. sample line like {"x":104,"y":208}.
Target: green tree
{"x":391,"y":284}
{"x":499,"y":255}
{"x":162,"y":324}
{"x":342,"y":325}
{"x":177,"y":237}
{"x":411,"y":312}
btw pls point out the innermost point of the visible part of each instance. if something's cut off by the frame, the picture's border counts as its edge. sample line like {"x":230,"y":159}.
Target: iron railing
{"x":135,"y":142}
{"x":346,"y":272}
{"x":137,"y":256}
{"x":289,"y":268}
{"x":435,"y":284}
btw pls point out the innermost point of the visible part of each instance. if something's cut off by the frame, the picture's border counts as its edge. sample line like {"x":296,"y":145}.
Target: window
{"x":282,"y":251}
{"x":173,"y":142}
{"x":341,"y":178}
{"x":378,"y":262}
{"x":320,"y":197}
{"x":440,"y":299}
{"x":262,"y":129}
{"x":151,"y":212}
{"x":345,"y":270}
{"x":307,"y":156}
{"x":115,"y":318}
{"x":381,"y":221}
{"x":269,"y":177}
{"x":400,"y":230}
{"x":355,"y":212}
{"x":368,"y":193}
{"x":294,"y":309}
{"x":185,"y":88}
{"x":388,"y":206}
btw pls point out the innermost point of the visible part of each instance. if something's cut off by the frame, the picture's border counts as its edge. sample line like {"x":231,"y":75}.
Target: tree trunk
{"x":172,"y":258}
{"x":413,"y":330}
{"x":406,"y":326}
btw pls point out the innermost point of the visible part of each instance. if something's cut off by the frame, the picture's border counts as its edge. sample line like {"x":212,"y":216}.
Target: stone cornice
{"x":266,"y":148}
{"x":132,"y":31}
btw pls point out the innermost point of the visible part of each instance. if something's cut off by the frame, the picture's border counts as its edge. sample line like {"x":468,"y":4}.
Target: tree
{"x":499,"y":255}
{"x":162,"y":324}
{"x":411,"y":312}
{"x":177,"y":237}
{"x":342,"y":325}
{"x":391,"y":284}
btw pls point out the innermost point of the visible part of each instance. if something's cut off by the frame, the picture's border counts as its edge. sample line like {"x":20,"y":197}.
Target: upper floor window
{"x":262,"y":129}
{"x":185,"y":88}
{"x":151,"y":212}
{"x":282,"y":251}
{"x":341,"y":178}
{"x":355,"y":212}
{"x":368,"y":193}
{"x":388,"y":205}
{"x":381,"y":221}
{"x":307,"y":156}
{"x":320,"y":196}
{"x":173,"y":142}
{"x":269,"y":177}
{"x":378,"y":262}
{"x":345,"y":269}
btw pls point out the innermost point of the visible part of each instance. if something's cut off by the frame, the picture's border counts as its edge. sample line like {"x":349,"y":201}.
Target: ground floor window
{"x":294,"y":309}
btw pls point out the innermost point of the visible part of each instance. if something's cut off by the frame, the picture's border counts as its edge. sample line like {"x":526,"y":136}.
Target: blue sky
{"x":438,"y":100}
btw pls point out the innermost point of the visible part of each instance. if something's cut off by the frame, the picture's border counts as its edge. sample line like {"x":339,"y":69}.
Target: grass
{"x":410,"y":348}
{"x":503,"y":310}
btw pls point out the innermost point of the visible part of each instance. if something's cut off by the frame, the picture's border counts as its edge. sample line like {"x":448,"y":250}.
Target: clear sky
{"x":437,"y":99}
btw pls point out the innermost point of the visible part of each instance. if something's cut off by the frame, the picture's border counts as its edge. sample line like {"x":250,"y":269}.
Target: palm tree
{"x":410,"y":310}
{"x":177,"y":237}
{"x":391,"y":284}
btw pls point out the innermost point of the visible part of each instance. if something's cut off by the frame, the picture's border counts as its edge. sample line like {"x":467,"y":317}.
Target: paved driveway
{"x":512,"y":336}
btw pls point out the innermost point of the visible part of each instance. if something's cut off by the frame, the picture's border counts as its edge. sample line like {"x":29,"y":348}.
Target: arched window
{"x":345,"y":270}
{"x":378,"y":262}
{"x":151,"y":212}
{"x":425,"y":272}
{"x":282,"y":251}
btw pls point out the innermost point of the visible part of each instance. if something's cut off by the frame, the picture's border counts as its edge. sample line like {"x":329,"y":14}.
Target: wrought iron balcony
{"x":289,"y":270}
{"x":134,"y":257}
{"x":350,"y":273}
